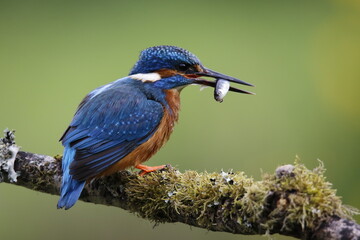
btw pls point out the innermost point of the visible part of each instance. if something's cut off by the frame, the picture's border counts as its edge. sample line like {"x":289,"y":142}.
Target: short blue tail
{"x":70,"y":188}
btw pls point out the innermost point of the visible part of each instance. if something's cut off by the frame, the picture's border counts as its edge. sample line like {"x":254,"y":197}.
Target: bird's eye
{"x":183,"y":67}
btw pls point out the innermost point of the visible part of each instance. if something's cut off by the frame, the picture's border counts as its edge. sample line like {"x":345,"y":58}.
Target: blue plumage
{"x":110,"y":123}
{"x":120,"y":117}
{"x":163,"y":57}
{"x":71,"y":188}
{"x":129,"y":118}
{"x":107,"y":126}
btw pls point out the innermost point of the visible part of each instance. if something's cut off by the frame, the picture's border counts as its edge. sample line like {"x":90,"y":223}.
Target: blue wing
{"x":109,"y":124}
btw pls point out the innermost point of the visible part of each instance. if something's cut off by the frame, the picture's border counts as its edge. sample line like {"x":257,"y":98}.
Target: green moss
{"x":58,"y":157}
{"x":307,"y":198}
{"x":302,"y":197}
{"x":199,"y":196}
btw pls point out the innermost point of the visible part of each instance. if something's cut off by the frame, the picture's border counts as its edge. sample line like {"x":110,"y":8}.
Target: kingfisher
{"x":124,"y":123}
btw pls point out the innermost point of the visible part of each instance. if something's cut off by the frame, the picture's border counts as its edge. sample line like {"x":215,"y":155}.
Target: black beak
{"x":210,"y":73}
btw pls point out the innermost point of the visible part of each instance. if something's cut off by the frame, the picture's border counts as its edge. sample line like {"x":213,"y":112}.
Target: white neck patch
{"x":146,"y":77}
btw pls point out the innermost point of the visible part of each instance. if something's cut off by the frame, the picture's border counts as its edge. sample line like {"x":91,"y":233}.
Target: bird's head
{"x":169,"y":67}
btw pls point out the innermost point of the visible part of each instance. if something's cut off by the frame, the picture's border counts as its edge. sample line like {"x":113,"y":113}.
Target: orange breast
{"x":156,"y":141}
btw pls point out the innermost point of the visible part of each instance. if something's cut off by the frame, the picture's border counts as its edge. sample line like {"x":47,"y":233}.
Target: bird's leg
{"x":147,"y":169}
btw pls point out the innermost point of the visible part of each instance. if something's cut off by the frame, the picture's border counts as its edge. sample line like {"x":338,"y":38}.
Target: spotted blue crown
{"x":163,"y":57}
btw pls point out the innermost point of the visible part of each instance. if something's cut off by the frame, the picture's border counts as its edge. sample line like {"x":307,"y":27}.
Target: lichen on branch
{"x":8,"y":152}
{"x":293,"y":201}
{"x":300,"y":198}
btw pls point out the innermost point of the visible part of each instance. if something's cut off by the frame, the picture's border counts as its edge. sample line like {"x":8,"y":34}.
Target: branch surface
{"x":294,"y":201}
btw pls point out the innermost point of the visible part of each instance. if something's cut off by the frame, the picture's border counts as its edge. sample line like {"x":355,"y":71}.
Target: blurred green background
{"x":303,"y":57}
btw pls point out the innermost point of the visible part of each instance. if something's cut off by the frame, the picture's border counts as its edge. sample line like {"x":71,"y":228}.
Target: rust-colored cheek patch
{"x":198,"y":68}
{"x":165,"y":73}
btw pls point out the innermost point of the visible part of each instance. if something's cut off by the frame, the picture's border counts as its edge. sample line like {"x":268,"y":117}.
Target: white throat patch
{"x":146,"y":77}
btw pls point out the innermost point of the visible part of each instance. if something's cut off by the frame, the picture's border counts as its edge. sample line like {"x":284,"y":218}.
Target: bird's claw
{"x":147,"y":169}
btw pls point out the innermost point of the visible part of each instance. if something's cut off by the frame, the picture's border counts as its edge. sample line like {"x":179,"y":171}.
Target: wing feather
{"x":108,"y":126}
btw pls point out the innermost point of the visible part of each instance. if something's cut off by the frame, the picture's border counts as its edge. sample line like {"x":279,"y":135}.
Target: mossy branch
{"x":294,"y":201}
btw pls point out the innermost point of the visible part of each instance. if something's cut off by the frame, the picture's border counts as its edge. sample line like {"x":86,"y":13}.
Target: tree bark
{"x":294,"y":201}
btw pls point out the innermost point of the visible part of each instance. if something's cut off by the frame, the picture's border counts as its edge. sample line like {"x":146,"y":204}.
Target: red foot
{"x":147,"y":169}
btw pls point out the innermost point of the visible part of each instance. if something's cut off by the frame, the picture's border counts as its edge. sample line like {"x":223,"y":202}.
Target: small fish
{"x":221,"y":89}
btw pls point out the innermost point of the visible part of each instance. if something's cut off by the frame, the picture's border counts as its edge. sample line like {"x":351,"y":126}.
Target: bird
{"x":124,"y":123}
